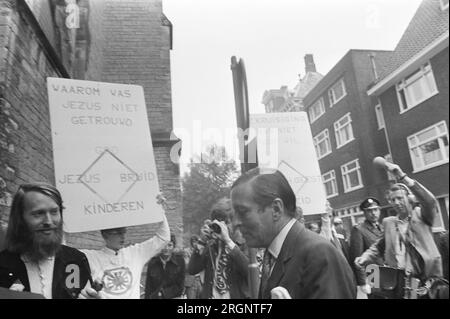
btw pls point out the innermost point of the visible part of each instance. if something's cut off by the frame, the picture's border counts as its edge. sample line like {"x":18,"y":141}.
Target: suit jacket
{"x":344,"y":247}
{"x":363,"y":236}
{"x":169,"y":280}
{"x":237,"y":270}
{"x":310,"y":267}
{"x":11,"y":294}
{"x":427,"y":258}
{"x":338,"y":240}
{"x":12,"y":268}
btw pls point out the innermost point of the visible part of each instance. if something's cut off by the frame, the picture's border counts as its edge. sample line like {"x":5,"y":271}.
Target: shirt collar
{"x":171,"y":259}
{"x":277,"y":243}
{"x":110,"y":251}
{"x":27,"y":260}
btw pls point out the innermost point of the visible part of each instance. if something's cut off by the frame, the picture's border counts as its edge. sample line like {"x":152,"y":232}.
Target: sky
{"x":272,"y":37}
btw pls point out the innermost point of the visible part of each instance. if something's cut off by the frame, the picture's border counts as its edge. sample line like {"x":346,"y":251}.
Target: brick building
{"x":412,"y":92}
{"x":286,"y":100}
{"x":126,"y":41}
{"x":345,"y":135}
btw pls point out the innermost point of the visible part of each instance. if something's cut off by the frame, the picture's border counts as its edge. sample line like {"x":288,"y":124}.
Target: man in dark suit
{"x":34,"y":259}
{"x":364,"y":235}
{"x":297,"y":260}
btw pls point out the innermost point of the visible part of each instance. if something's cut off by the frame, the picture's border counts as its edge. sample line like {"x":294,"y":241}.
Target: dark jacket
{"x":362,"y":237}
{"x":169,"y":280}
{"x":13,"y":269}
{"x":310,"y":267}
{"x":237,"y":270}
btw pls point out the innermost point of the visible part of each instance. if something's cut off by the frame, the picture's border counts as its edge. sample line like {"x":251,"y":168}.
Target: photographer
{"x":224,"y":263}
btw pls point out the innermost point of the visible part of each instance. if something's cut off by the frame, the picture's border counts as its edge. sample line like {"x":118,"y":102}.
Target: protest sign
{"x":103,"y":154}
{"x":285,"y":142}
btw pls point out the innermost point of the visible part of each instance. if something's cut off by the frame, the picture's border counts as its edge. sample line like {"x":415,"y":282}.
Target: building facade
{"x":286,"y":100}
{"x":412,"y":95}
{"x":115,"y":41}
{"x":345,"y":135}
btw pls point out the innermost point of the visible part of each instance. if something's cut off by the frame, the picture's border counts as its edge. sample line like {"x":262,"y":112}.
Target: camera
{"x":215,"y":228}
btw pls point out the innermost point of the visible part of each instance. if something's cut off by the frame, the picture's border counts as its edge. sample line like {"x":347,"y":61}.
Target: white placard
{"x":285,"y":142}
{"x":103,"y":155}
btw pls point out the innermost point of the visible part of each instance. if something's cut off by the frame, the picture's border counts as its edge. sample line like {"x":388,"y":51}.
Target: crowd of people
{"x":258,"y":228}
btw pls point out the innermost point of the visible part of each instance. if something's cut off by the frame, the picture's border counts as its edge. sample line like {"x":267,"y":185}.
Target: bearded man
{"x":34,"y":259}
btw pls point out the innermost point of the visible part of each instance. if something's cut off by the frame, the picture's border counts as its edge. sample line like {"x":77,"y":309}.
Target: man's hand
{"x":395,"y":170}
{"x":90,"y":293}
{"x":279,"y":293}
{"x":359,"y":262}
{"x":224,"y":234}
{"x":205,"y":230}
{"x":161,"y":200}
{"x":366,"y":289}
{"x":328,"y":211}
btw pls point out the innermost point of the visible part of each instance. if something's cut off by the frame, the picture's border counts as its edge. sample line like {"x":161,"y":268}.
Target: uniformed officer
{"x":365,"y":234}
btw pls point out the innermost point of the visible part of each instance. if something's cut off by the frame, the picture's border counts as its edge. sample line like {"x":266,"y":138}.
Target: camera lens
{"x":215,"y":228}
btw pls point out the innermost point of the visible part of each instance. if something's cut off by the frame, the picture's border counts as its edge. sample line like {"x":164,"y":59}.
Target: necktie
{"x":266,"y":268}
{"x":335,"y":241}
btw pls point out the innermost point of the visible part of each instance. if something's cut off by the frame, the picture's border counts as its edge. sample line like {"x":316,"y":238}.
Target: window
{"x":343,"y":130}
{"x":444,"y":4}
{"x":416,"y":88}
{"x":337,"y":92}
{"x":429,"y":147}
{"x":380,"y":117}
{"x":316,"y":110}
{"x":322,"y":144}
{"x":329,"y":181}
{"x":351,"y":175}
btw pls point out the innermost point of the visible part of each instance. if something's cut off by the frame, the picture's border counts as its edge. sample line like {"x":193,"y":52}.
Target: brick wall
{"x":128,"y":44}
{"x":97,"y":42}
{"x":355,"y":69}
{"x":137,"y":52}
{"x":427,"y":113}
{"x":25,"y":140}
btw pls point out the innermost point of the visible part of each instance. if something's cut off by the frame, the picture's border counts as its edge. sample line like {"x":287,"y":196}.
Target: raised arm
{"x":425,"y":198}
{"x":146,"y":250}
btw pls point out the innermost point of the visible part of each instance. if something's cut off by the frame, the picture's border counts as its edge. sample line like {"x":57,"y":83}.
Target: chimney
{"x":309,"y":63}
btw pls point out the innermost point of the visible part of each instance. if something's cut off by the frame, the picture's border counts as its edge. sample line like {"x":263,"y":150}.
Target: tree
{"x":209,"y":178}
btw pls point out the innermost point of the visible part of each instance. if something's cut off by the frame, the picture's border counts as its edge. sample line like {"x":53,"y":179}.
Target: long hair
{"x":267,"y":185}
{"x":18,"y":235}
